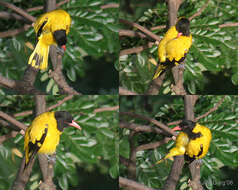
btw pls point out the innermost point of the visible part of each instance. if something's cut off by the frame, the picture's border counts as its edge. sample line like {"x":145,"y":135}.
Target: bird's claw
{"x":60,"y":50}
{"x":51,"y":158}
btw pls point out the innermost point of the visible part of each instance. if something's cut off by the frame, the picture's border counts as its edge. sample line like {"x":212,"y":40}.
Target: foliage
{"x":92,"y":150}
{"x":211,"y":61}
{"x":92,"y":48}
{"x":217,"y":165}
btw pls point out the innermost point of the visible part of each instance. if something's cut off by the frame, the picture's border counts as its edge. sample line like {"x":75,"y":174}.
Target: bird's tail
{"x":39,"y":57}
{"x":176,"y":151}
{"x":159,"y":70}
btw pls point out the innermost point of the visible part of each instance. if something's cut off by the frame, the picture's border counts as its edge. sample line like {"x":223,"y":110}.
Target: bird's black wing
{"x":34,"y":147}
{"x":40,"y":29}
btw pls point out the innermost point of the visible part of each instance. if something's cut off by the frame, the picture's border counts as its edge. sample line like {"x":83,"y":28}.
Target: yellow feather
{"x":37,"y":129}
{"x":53,"y":21}
{"x":180,"y":147}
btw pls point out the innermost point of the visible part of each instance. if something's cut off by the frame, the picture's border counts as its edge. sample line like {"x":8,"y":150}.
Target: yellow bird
{"x":174,"y":46}
{"x":193,"y":141}
{"x":51,"y":29}
{"x":43,"y":135}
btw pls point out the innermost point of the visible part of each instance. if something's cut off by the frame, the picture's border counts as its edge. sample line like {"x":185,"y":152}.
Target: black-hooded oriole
{"x":51,"y":29}
{"x":174,"y":46}
{"x":43,"y":135}
{"x":193,"y":141}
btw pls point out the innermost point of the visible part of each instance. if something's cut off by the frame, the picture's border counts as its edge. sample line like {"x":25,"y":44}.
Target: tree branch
{"x":141,"y":28}
{"x":13,"y":121}
{"x":127,"y":183}
{"x":114,"y":108}
{"x":153,"y":145}
{"x":211,"y":110}
{"x":58,"y":76}
{"x":123,"y":91}
{"x":136,"y":49}
{"x":200,"y":10}
{"x":18,"y":10}
{"x":59,"y":103}
{"x":155,"y":122}
{"x":195,"y":183}
{"x":14,"y":32}
{"x":139,"y":128}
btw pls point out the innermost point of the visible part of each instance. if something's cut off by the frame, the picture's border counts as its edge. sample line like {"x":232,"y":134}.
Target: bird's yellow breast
{"x":37,"y":129}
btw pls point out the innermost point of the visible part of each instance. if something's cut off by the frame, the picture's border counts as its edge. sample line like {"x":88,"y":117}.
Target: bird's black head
{"x":182,"y":26}
{"x":187,"y":125}
{"x":60,"y":38}
{"x":65,"y":119}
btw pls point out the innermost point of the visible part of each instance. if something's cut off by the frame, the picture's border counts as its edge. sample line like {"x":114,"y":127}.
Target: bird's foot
{"x":59,"y":50}
{"x":181,"y":66}
{"x":51,"y":158}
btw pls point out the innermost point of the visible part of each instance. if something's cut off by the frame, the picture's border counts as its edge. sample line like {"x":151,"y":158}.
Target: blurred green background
{"x":92,"y":47}
{"x":86,"y":159}
{"x":219,"y":166}
{"x":212,"y":62}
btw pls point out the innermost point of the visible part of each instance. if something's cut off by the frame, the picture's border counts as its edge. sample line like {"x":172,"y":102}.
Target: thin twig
{"x":139,"y":128}
{"x":131,"y":33}
{"x":14,"y":32}
{"x":141,"y":28}
{"x":18,"y":10}
{"x":123,"y":91}
{"x":200,"y":10}
{"x":228,"y":25}
{"x":136,"y":49}
{"x":211,"y":110}
{"x":153,"y":145}
{"x":59,"y":103}
{"x":13,"y":120}
{"x":12,"y":134}
{"x":114,"y":108}
{"x":110,"y":5}
{"x":155,"y":122}
{"x":127,"y":183}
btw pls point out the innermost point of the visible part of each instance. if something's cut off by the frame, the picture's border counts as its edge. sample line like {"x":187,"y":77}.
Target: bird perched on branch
{"x":43,"y":135}
{"x":174,"y":46}
{"x":51,"y":29}
{"x":193,"y":141}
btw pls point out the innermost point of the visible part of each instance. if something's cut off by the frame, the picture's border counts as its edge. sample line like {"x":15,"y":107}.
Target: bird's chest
{"x":51,"y":141}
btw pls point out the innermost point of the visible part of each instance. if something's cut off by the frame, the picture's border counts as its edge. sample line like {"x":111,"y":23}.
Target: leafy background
{"x":212,"y":62}
{"x":84,"y":158}
{"x":219,"y":166}
{"x":92,"y":48}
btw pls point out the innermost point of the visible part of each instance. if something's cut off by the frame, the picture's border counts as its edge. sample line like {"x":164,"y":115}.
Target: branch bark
{"x":127,"y":183}
{"x":155,"y":122}
{"x":194,"y":167}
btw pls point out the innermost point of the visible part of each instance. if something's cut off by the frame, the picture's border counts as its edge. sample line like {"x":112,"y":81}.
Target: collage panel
{"x":71,"y":49}
{"x":108,"y":94}
{"x":204,"y":154}
{"x":178,"y":47}
{"x":74,"y":137}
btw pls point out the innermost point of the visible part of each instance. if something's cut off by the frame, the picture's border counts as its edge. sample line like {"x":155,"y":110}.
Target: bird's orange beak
{"x":63,"y":47}
{"x":177,"y":128}
{"x":74,"y":124}
{"x":179,"y":34}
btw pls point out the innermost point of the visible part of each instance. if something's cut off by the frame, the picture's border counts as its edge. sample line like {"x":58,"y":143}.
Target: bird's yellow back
{"x":55,"y":20}
{"x":51,"y":21}
{"x":178,"y":47}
